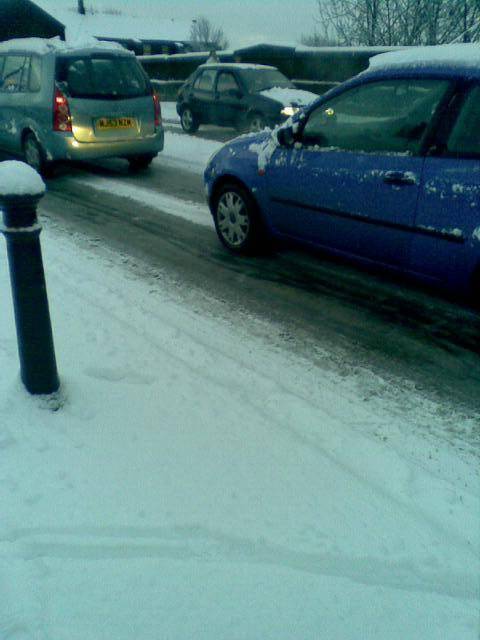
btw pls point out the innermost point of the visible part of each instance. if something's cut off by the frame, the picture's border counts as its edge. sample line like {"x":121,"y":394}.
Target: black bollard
{"x":32,"y":317}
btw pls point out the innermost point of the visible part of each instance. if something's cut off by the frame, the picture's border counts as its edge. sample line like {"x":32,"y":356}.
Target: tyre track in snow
{"x":206,"y":545}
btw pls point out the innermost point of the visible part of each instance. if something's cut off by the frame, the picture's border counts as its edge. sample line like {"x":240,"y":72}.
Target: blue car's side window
{"x":385,"y":116}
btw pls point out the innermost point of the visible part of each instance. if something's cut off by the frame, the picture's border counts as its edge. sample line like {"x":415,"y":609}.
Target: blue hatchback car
{"x":384,"y":169}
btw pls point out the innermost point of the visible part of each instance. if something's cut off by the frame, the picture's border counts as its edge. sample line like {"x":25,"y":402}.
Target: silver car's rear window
{"x":102,"y":77}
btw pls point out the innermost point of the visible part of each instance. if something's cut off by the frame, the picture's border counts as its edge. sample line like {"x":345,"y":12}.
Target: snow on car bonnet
{"x":287,"y":97}
{"x":19,"y":179}
{"x":450,"y":55}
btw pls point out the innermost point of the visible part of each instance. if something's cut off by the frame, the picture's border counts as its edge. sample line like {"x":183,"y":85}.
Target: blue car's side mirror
{"x":286,"y":137}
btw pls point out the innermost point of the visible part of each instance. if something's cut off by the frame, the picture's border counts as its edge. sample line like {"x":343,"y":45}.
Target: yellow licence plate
{"x":116,"y":123}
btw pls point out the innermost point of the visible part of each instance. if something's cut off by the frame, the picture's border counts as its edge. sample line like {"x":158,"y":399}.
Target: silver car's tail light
{"x":62,"y":120}
{"x":157,"y":110}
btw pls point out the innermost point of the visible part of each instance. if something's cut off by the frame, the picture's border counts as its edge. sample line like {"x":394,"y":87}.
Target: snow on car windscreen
{"x":102,"y":77}
{"x":262,"y":79}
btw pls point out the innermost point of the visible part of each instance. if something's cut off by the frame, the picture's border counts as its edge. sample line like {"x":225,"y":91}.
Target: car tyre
{"x":189,"y":120}
{"x":140,"y":163}
{"x":35,"y":157}
{"x":238,"y":222}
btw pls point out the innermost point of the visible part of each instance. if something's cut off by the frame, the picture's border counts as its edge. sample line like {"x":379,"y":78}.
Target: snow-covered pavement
{"x":199,"y":482}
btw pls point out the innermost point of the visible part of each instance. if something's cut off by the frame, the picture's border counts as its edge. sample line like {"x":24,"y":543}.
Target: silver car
{"x":59,"y":102}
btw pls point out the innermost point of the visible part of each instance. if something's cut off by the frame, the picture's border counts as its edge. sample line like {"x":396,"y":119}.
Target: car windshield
{"x":102,"y":77}
{"x":262,"y":79}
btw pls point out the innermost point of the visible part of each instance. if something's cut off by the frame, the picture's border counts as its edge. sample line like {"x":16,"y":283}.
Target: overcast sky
{"x":244,"y":21}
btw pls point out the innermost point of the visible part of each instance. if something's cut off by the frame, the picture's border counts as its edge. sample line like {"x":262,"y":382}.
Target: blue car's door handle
{"x":399,"y":178}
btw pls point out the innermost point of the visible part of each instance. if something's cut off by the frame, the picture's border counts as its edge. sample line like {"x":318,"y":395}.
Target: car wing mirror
{"x":286,"y":137}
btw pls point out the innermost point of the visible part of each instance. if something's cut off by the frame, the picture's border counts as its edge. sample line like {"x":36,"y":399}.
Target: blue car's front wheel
{"x":237,"y":221}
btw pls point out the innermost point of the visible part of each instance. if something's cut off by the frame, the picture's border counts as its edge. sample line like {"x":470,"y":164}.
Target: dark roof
{"x":24,"y":19}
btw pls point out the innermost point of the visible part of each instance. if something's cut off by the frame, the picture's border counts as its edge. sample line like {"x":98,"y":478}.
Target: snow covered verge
{"x":187,"y":152}
{"x":198,"y":482}
{"x":169,"y":112}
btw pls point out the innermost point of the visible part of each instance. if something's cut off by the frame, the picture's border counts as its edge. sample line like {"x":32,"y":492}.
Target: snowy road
{"x":365,"y":320}
{"x":248,"y":448}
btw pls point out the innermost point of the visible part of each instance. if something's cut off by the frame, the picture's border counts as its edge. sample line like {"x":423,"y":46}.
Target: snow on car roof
{"x":42,"y":46}
{"x":452,"y":55}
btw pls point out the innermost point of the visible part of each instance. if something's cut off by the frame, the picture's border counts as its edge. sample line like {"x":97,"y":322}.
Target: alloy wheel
{"x":187,"y":119}
{"x":233,"y":219}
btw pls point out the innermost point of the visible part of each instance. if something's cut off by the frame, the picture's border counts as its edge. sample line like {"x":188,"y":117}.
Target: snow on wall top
{"x":238,"y":65}
{"x":184,"y":56}
{"x":373,"y":49}
{"x":301,"y":48}
{"x":19,"y":179}
{"x":42,"y":46}
{"x":288,"y":96}
{"x":450,"y":55}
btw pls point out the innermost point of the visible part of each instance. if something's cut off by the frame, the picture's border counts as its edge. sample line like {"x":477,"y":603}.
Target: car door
{"x":446,"y":246}
{"x":229,"y":108}
{"x":202,"y":98}
{"x":351,"y":183}
{"x":13,"y":80}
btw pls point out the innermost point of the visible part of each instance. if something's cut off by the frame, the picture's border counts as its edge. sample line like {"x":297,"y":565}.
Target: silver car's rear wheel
{"x":33,"y":153}
{"x":35,"y":156}
{"x":140,"y":163}
{"x":237,"y":220}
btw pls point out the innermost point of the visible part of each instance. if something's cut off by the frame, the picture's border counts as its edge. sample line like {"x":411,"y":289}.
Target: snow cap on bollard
{"x":21,"y":187}
{"x":19,"y":179}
